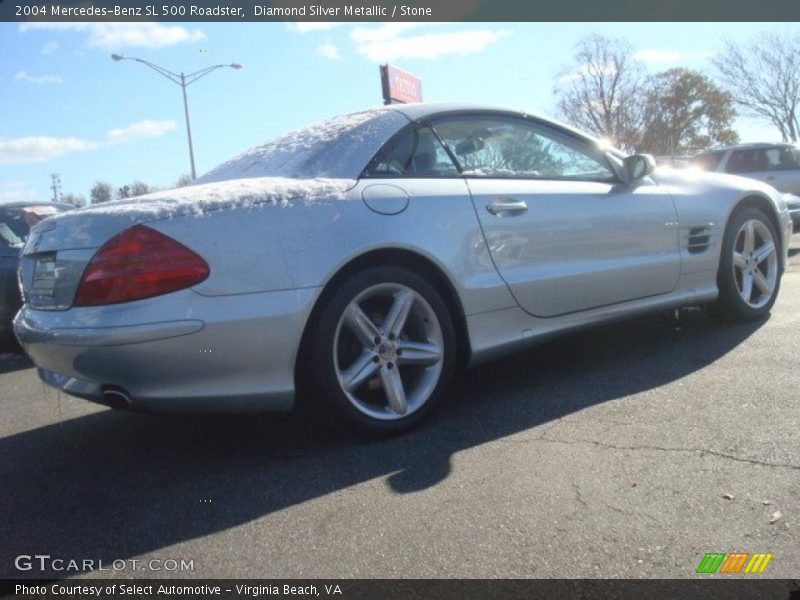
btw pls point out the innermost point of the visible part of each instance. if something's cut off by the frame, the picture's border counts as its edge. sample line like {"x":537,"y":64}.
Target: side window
{"x":416,"y":153}
{"x":708,"y":162}
{"x":430,"y":158}
{"x":505,"y":147}
{"x":748,"y":160}
{"x":782,"y":158}
{"x":8,"y":238}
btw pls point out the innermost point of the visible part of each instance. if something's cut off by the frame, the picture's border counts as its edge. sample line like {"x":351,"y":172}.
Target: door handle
{"x":506,"y":205}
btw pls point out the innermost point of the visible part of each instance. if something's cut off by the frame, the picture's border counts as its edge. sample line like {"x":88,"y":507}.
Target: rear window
{"x":337,"y":148}
{"x":16,"y":222}
{"x":708,"y":162}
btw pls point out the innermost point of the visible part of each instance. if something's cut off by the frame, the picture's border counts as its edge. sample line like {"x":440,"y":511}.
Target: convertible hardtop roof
{"x":342,"y":146}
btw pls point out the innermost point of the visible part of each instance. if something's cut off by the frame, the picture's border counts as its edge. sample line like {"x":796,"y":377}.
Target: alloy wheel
{"x":388,"y":351}
{"x":755,"y":263}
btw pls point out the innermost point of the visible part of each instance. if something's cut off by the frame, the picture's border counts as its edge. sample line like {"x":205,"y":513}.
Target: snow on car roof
{"x":339,"y":148}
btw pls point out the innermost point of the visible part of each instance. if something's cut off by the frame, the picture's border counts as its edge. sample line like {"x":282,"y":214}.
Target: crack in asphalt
{"x":700,"y":451}
{"x":631,"y":513}
{"x":578,"y":495}
{"x":627,"y":513}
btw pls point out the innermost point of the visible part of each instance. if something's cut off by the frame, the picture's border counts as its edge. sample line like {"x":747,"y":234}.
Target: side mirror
{"x":639,"y":165}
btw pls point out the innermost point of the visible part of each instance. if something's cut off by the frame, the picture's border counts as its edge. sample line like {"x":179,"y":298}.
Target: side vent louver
{"x":698,"y":239}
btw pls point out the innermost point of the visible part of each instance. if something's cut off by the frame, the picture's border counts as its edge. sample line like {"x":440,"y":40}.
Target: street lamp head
{"x":235,"y":66}
{"x":117,"y":57}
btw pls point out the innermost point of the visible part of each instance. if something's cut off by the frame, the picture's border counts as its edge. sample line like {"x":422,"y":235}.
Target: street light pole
{"x":188,"y":126}
{"x":184,"y":81}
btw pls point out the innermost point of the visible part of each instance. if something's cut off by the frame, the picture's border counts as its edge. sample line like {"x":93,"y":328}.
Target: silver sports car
{"x":363,"y":260}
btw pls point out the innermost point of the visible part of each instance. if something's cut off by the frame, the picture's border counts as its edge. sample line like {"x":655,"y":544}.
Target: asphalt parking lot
{"x":628,"y":451}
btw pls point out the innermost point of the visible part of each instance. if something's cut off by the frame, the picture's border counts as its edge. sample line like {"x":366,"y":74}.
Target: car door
{"x":564,"y":233}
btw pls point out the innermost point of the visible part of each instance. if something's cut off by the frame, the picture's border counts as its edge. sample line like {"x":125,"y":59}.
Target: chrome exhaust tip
{"x":116,"y":398}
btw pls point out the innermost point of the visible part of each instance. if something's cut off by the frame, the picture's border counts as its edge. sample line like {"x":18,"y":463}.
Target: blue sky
{"x":69,"y":109}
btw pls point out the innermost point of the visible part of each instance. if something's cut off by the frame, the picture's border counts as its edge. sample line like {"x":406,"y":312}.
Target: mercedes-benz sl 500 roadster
{"x":361,"y":261}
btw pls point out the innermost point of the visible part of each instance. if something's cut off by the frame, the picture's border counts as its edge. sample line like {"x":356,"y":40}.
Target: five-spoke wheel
{"x":385,"y":340}
{"x":388,"y":351}
{"x":755,"y":263}
{"x":749,"y":271}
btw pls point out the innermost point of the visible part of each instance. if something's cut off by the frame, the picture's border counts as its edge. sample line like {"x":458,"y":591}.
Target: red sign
{"x":399,"y":86}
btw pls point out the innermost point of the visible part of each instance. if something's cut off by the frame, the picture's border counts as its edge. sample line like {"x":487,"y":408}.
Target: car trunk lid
{"x":59,"y":248}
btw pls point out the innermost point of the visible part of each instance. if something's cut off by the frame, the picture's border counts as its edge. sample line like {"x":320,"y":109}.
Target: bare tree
{"x":602,"y":91}
{"x":763,"y":76}
{"x":137,"y":188}
{"x":684,"y":113}
{"x":183,"y":181}
{"x":140,"y":188}
{"x":100,"y":192}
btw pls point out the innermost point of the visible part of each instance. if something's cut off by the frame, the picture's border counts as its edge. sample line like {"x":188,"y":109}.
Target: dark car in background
{"x":775,"y":164}
{"x":16,"y":220}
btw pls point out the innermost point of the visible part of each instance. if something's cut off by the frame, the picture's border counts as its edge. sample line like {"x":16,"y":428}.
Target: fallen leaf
{"x":776,"y":517}
{"x":728,"y":496}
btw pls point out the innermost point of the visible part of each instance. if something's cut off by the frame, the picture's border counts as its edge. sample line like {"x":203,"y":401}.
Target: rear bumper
{"x":182,"y":352}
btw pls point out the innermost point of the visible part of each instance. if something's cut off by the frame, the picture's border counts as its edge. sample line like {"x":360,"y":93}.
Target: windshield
{"x":337,"y":148}
{"x":16,"y":222}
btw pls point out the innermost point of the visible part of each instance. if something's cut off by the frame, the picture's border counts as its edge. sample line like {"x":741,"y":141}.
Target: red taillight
{"x":138,"y":263}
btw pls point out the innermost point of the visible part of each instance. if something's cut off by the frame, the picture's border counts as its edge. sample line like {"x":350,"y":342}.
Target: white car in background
{"x":775,"y":164}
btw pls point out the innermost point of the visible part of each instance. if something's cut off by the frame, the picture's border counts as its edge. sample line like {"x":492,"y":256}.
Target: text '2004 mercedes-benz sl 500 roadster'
{"x":363,"y":260}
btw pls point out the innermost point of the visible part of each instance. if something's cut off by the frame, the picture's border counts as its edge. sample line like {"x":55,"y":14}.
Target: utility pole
{"x":56,"y":187}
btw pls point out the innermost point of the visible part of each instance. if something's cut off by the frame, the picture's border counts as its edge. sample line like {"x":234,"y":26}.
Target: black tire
{"x":9,"y":343}
{"x":325,"y":394}
{"x":730,"y":306}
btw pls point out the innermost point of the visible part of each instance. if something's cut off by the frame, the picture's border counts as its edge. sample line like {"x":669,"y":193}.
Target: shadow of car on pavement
{"x":112,"y":485}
